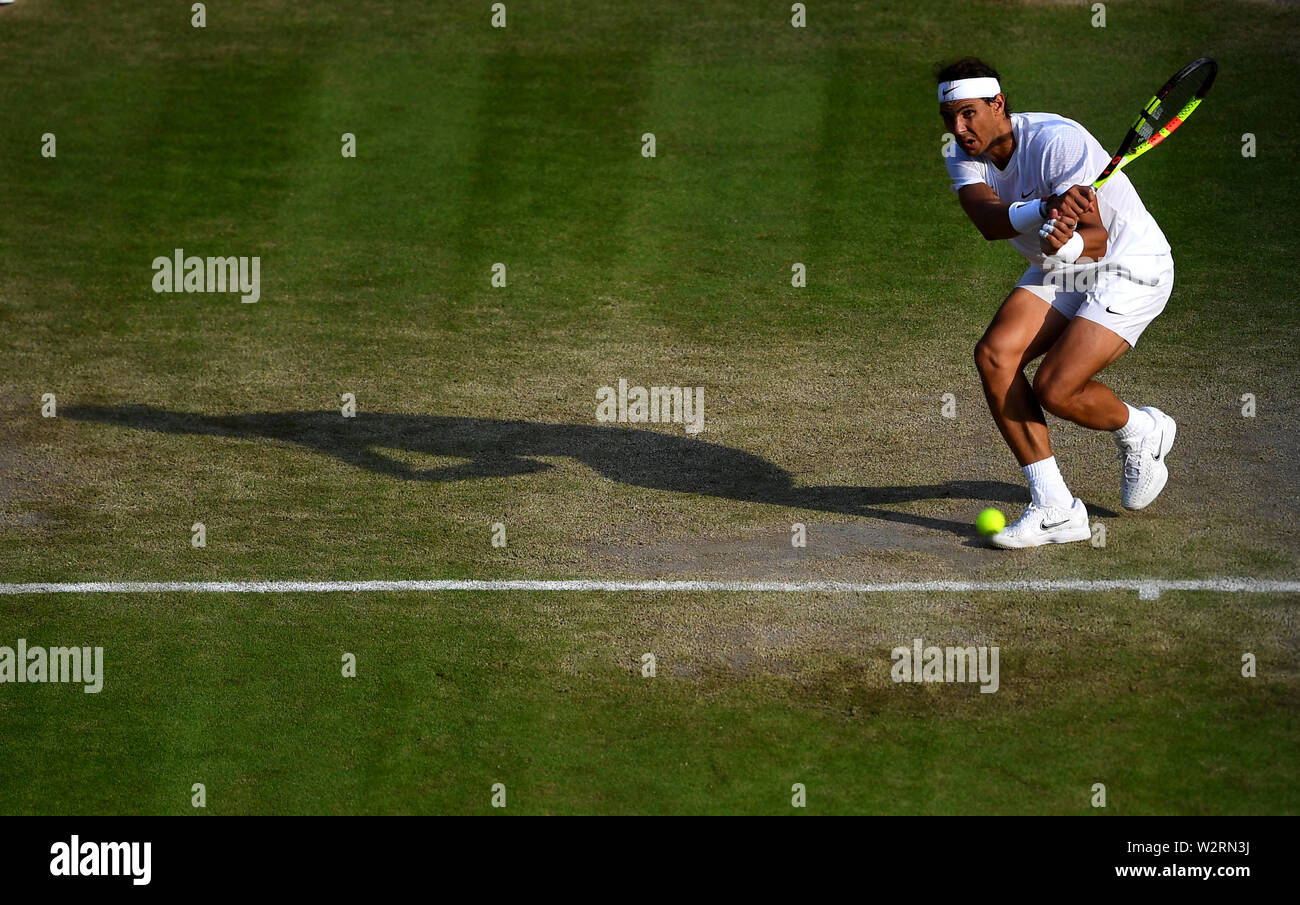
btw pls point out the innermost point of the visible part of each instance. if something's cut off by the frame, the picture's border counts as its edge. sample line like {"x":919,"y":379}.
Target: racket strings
{"x":1172,"y":104}
{"x":1163,"y":114}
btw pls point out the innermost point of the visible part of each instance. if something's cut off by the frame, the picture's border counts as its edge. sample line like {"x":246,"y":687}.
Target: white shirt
{"x":1051,"y":154}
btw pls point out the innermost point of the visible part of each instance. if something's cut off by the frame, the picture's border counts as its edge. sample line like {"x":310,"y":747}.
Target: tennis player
{"x":1100,"y":270}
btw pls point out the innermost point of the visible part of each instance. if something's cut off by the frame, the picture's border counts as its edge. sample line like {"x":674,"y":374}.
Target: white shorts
{"x":1123,"y":296}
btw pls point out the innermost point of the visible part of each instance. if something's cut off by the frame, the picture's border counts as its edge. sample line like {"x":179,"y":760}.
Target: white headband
{"x":964,"y":89}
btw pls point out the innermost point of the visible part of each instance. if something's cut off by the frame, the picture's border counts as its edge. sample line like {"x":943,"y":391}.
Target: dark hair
{"x":969,"y":68}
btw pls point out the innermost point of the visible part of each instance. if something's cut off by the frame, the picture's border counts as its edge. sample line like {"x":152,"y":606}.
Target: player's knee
{"x":1054,"y":394}
{"x":992,"y":359}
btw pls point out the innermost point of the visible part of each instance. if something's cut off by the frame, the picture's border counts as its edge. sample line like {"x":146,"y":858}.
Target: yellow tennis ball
{"x":990,"y":522}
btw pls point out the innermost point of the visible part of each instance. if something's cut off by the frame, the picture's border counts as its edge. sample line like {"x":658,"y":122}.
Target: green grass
{"x":544,"y":694}
{"x":522,"y":146}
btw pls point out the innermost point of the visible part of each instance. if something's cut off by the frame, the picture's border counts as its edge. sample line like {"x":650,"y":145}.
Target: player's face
{"x":974,"y":122}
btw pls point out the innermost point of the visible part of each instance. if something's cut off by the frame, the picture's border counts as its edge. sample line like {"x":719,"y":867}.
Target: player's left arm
{"x":1088,"y":227}
{"x":1095,"y":237}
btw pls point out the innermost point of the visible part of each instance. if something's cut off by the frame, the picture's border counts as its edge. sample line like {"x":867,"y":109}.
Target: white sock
{"x":1046,"y":485}
{"x":1139,"y":424}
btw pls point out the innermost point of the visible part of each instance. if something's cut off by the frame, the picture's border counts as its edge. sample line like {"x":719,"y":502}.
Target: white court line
{"x":1147,"y":588}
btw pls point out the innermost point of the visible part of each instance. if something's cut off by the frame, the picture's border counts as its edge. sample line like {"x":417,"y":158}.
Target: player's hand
{"x":1056,"y":231}
{"x":1077,"y":201}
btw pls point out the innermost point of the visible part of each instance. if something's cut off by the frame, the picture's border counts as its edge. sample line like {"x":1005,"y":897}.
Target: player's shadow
{"x":494,"y":448}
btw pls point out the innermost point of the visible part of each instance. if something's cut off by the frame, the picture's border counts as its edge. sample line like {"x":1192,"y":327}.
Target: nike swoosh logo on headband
{"x":950,"y":90}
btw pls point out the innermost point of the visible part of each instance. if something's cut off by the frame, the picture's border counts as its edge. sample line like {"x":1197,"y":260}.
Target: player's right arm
{"x":986,"y":211}
{"x":1078,"y":201}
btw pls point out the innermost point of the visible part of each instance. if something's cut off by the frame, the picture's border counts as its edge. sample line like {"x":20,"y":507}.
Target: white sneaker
{"x":1045,"y":525}
{"x":1145,"y":472}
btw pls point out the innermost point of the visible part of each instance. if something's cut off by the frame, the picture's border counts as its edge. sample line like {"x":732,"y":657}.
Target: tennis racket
{"x":1164,"y":113}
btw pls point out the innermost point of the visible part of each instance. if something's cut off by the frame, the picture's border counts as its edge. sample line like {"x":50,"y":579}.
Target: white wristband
{"x":1069,"y":252}
{"x":1026,"y":215}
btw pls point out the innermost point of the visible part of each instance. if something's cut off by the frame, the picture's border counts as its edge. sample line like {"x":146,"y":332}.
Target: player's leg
{"x":1025,"y":327}
{"x":1065,"y":384}
{"x":1107,"y":323}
